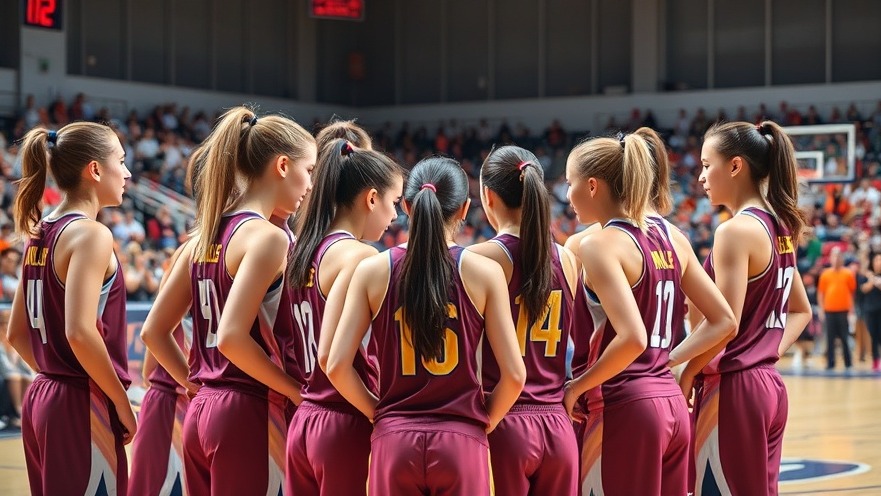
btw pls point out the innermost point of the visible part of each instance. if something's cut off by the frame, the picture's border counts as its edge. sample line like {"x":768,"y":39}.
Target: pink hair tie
{"x":522,"y":165}
{"x":428,"y":186}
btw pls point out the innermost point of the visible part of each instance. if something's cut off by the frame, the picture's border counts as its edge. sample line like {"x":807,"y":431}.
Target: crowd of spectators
{"x":158,"y":146}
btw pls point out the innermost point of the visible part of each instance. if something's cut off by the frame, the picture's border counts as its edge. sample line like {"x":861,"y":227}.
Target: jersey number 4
{"x":210,"y":310}
{"x":434,"y":367}
{"x":35,"y":307}
{"x":546,"y":329}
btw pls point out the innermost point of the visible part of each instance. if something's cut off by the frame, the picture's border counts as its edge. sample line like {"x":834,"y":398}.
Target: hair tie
{"x":621,"y":137}
{"x":253,"y":121}
{"x":52,"y":137}
{"x":346,"y":150}
{"x":428,"y":186}
{"x":523,"y":165}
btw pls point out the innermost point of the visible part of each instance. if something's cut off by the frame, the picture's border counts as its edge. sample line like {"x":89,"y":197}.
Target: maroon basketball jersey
{"x":183,"y":336}
{"x":285,"y":334}
{"x":410,"y":386}
{"x":764,"y":306}
{"x":44,"y":297}
{"x":211,"y":284}
{"x":544,"y":345}
{"x":581,"y":329}
{"x":308,"y":304}
{"x":680,"y":301}
{"x":656,"y":294}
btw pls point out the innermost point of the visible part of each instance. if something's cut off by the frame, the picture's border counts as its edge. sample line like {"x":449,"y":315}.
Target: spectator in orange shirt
{"x":835,"y":293}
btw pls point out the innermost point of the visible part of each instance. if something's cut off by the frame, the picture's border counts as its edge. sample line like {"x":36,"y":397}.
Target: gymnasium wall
{"x":528,"y":60}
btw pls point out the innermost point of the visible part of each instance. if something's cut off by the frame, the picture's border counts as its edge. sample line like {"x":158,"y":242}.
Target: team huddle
{"x":287,"y":356}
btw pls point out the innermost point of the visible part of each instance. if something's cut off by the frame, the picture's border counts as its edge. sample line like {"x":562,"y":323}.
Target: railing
{"x":149,"y":196}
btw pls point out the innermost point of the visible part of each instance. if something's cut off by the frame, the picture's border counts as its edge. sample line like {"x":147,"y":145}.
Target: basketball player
{"x":427,"y":316}
{"x":742,"y":405}
{"x":354,"y":198}
{"x":234,"y":430}
{"x":636,"y":271}
{"x":292,"y":346}
{"x":533,"y":450}
{"x":582,"y":329}
{"x":157,"y":454}
{"x":68,"y":315}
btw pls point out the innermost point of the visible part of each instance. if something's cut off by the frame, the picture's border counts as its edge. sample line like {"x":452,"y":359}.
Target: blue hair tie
{"x":52,"y":137}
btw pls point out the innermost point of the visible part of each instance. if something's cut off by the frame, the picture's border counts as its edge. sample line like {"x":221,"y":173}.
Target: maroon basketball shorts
{"x":429,"y":455}
{"x":328,"y":451}
{"x":740,"y":418}
{"x":72,"y":439}
{"x":157,"y":453}
{"x":233,"y":443}
{"x":534,"y":451}
{"x":638,"y":447}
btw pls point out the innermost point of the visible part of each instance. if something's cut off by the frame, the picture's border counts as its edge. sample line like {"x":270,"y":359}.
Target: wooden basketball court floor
{"x":834,"y":426}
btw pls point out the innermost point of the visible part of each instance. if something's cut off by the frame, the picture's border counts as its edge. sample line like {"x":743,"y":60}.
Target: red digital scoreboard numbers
{"x":43,"y":14}
{"x":349,"y":10}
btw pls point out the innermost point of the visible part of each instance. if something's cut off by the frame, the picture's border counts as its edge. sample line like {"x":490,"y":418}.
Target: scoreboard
{"x":349,"y":10}
{"x":43,"y":14}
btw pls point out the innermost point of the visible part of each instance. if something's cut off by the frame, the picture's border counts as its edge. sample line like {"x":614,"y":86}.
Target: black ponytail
{"x":769,"y":153}
{"x":343,"y":172}
{"x":436,"y":190}
{"x":516,"y":176}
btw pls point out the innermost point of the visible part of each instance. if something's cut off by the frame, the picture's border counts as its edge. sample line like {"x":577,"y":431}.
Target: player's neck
{"x":747,"y":200}
{"x":86,"y":206}
{"x":348,"y":222}
{"x":256,"y":203}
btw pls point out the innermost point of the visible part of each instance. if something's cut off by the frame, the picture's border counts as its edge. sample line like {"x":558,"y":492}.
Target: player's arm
{"x":150,"y":362}
{"x":573,"y":243}
{"x":18,"y":329}
{"x":731,"y":262}
{"x":571,"y":268}
{"x":798,"y":316}
{"x":91,"y":249}
{"x":262,"y":262}
{"x":603,"y":268}
{"x":172,"y":303}
{"x":488,"y":282}
{"x":353,"y":324}
{"x":703,"y":294}
{"x":354,"y":253}
{"x":821,"y":295}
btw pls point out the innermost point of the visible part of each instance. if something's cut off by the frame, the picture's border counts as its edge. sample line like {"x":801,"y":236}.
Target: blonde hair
{"x":625,"y":164}
{"x":65,"y":152}
{"x":241,"y":147}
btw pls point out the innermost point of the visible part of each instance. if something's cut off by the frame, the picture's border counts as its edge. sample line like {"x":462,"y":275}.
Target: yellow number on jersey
{"x":546,"y":329}
{"x":408,"y":354}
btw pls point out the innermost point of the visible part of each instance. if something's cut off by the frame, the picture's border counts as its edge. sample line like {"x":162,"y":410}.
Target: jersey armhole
{"x":639,"y":248}
{"x":224,"y":248}
{"x":55,"y":244}
{"x":387,"y":284}
{"x":316,"y":276}
{"x":464,"y":285}
{"x":770,"y":239}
